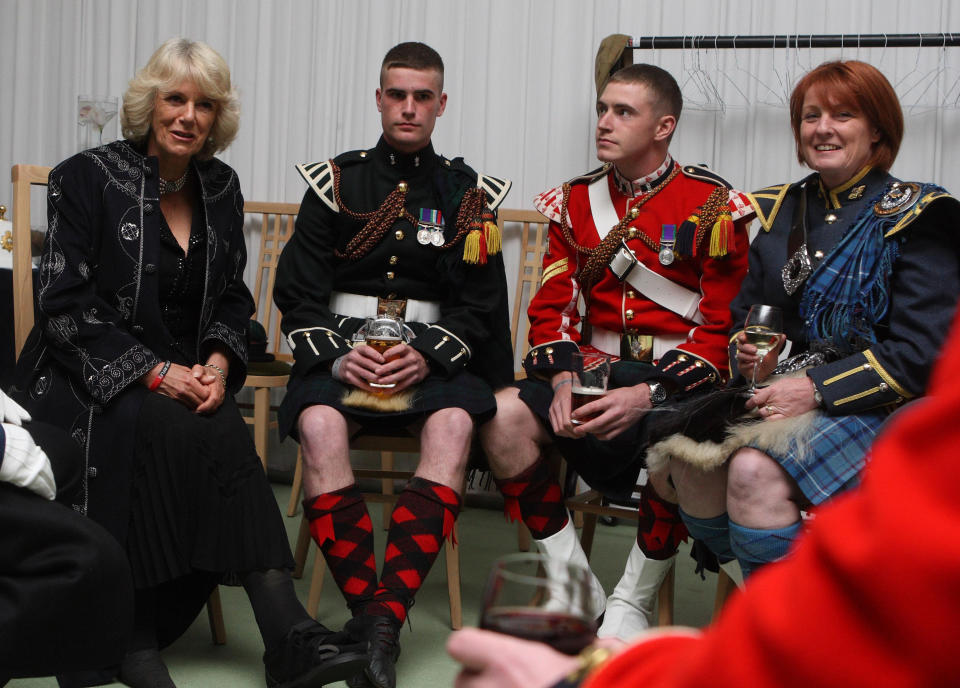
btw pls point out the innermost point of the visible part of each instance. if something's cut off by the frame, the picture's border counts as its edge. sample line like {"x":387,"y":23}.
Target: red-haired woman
{"x":866,"y":271}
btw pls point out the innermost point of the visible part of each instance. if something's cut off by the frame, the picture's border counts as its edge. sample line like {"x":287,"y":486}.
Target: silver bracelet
{"x":335,"y":368}
{"x":223,"y":376}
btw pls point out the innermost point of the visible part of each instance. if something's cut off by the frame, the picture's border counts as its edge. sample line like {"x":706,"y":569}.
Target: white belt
{"x":657,"y":288}
{"x":361,"y":306}
{"x":609,"y":342}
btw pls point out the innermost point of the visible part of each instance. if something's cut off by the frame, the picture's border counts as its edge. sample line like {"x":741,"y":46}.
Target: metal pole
{"x":876,"y":40}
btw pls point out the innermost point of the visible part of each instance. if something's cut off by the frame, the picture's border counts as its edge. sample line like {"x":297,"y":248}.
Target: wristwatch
{"x":658,"y":393}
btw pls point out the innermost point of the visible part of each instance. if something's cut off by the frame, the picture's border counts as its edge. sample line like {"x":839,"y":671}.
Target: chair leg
{"x":261,"y":422}
{"x":665,"y":599}
{"x":452,"y":554}
{"x":586,"y":534}
{"x":524,"y":538}
{"x":297,"y":485}
{"x":303,"y":548}
{"x":725,"y":587}
{"x":386,"y":464}
{"x":316,"y":583}
{"x":215,"y":616}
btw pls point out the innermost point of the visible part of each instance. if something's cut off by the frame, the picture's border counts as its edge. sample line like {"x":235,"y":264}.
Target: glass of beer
{"x":536,"y":597}
{"x":381,"y":334}
{"x":591,"y":373}
{"x":763,"y":327}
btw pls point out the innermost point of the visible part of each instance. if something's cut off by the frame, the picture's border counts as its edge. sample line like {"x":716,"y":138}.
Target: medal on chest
{"x":430,"y":227}
{"x":668,"y":238}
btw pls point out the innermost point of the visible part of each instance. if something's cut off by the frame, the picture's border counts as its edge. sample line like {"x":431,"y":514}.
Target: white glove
{"x":25,"y":464}
{"x":11,"y":411}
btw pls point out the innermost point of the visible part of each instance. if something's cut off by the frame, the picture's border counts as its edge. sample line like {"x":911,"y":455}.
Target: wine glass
{"x":763,"y":327}
{"x":536,"y":597}
{"x":382,"y":334}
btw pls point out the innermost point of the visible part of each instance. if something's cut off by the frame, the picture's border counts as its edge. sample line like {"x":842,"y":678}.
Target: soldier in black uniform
{"x":399,"y":230}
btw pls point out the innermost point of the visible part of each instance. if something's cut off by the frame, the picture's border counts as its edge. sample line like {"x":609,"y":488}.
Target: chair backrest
{"x":275,"y":222}
{"x":23,"y":177}
{"x":533,"y":244}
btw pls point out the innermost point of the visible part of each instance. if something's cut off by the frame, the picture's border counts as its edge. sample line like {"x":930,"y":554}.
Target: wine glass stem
{"x":753,"y":381}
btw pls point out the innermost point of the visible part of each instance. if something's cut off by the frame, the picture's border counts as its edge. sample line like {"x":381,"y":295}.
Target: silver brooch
{"x":797,"y":269}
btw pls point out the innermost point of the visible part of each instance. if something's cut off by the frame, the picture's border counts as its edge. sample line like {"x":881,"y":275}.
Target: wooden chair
{"x":275,"y":222}
{"x":23,"y":177}
{"x":586,"y":507}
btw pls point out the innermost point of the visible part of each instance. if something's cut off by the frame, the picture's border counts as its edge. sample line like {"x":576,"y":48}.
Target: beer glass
{"x":591,"y":373}
{"x":381,"y":334}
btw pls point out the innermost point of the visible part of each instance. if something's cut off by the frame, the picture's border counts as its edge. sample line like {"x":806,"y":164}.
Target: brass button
{"x":699,"y":364}
{"x":390,"y":275}
{"x":629,"y":314}
{"x":402,"y":187}
{"x":445,"y":338}
{"x":634,"y":211}
{"x":548,"y":350}
{"x":631,"y":294}
{"x":632,"y":233}
{"x":392,"y":295}
{"x":363,"y":154}
{"x":447,"y":162}
{"x":883,"y":387}
{"x":681,"y":358}
{"x":400,"y":213}
{"x":866,"y":366}
{"x":830,"y":218}
{"x":818,"y":255}
{"x":393,"y":260}
{"x":399,"y":235}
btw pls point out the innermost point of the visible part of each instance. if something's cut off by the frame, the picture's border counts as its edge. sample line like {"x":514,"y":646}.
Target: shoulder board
{"x":591,"y":176}
{"x":766,"y":202}
{"x":319,"y":175}
{"x":911,"y":208}
{"x":495,"y":188}
{"x":705,"y":175}
{"x":549,"y":202}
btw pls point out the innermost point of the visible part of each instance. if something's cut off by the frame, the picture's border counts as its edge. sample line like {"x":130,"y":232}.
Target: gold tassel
{"x":492,"y":232}
{"x":471,"y":247}
{"x":721,"y":235}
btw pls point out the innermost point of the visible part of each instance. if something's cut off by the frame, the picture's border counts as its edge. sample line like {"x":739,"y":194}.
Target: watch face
{"x":657,"y":393}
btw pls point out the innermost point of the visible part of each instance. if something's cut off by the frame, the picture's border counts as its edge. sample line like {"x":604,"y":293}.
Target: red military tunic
{"x":687,"y":352}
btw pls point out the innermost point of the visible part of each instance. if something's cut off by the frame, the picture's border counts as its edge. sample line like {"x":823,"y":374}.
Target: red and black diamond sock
{"x":660,"y":530}
{"x":423,"y":516}
{"x":341,"y":527}
{"x":535,"y":496}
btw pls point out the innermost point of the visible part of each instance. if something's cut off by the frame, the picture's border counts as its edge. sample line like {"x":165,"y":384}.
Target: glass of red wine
{"x":536,"y":597}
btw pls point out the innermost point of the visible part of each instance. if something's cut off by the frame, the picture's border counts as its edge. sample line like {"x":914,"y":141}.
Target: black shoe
{"x":311,"y":656}
{"x":383,"y":635}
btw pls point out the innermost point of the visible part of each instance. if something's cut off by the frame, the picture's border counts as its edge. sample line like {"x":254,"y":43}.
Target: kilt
{"x":829,"y":456}
{"x":608,"y":466}
{"x":464,"y":390}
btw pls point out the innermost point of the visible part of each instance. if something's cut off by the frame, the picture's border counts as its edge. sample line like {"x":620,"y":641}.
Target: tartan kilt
{"x":828,"y":457}
{"x":464,"y":390}
{"x":608,"y":466}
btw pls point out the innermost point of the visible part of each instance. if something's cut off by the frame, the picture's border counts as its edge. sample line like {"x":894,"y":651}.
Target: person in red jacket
{"x":834,"y":612}
{"x":657,"y":250}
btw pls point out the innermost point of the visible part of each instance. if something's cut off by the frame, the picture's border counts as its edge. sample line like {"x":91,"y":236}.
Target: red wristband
{"x":159,"y":378}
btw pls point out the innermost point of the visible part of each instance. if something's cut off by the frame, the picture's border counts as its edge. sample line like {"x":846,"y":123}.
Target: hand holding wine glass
{"x":536,"y":597}
{"x":762,"y":328}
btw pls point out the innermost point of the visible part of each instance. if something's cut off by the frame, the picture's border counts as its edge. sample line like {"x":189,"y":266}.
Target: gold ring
{"x":768,"y":408}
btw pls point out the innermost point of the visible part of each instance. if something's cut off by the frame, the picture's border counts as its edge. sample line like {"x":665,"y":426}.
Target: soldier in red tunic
{"x":645,"y":256}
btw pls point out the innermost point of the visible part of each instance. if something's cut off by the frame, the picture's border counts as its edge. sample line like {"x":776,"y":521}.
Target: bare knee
{"x":323,"y":431}
{"x":513,"y":437}
{"x":759,"y":492}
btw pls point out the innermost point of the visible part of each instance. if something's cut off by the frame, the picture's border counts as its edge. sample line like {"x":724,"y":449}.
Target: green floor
{"x":484,"y":534}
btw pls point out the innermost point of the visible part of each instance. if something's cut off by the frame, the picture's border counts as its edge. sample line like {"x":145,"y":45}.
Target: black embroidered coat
{"x":100,"y":328}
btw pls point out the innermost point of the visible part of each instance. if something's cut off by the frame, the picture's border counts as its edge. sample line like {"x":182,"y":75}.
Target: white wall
{"x":519,"y":78}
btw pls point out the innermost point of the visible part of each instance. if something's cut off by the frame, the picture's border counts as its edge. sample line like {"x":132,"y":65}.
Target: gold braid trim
{"x":471,"y":210}
{"x":599,"y":256}
{"x":379,"y":221}
{"x":710,"y":211}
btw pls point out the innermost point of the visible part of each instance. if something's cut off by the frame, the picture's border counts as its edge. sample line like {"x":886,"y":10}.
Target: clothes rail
{"x":850,"y":40}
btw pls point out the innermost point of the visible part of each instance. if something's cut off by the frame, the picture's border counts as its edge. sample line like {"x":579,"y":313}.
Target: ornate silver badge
{"x":900,"y":196}
{"x":797,"y":269}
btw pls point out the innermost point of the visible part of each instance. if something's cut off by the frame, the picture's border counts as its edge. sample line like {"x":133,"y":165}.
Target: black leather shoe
{"x":312,"y":655}
{"x":383,"y":635}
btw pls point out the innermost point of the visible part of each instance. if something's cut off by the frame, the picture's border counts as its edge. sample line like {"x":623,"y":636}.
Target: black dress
{"x":201,"y":502}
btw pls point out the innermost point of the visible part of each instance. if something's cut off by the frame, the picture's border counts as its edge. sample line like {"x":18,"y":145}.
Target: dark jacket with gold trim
{"x":923,"y":293}
{"x":473,"y":331}
{"x":100,"y":328}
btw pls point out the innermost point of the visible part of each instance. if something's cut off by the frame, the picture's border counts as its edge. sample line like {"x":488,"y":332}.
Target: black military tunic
{"x":467,"y":347}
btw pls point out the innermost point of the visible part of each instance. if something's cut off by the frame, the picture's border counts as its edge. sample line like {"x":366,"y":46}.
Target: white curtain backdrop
{"x":519,"y":74}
